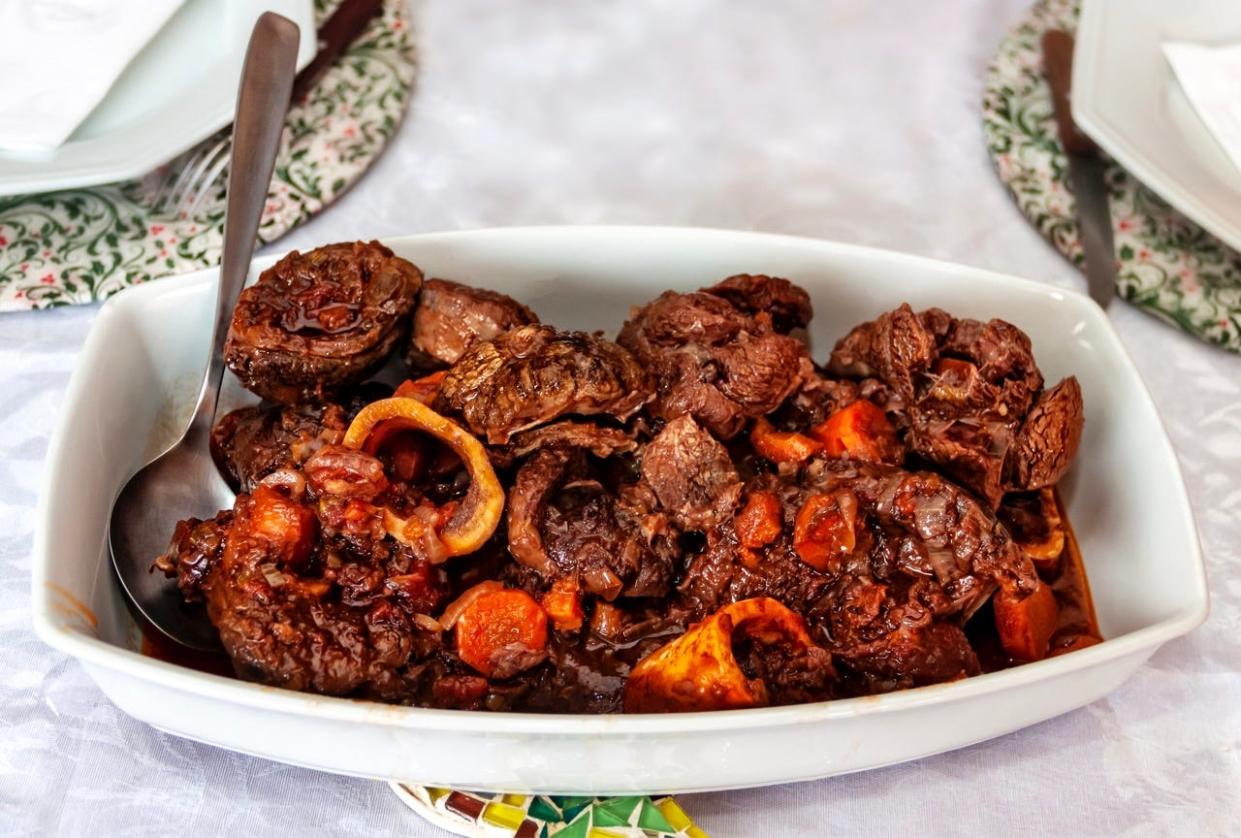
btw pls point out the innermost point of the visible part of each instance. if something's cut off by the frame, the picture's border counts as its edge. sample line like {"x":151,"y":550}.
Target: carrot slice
{"x":502,"y":632}
{"x":288,"y":526}
{"x":860,"y":431}
{"x":759,"y":522}
{"x":782,"y":446}
{"x":423,"y":389}
{"x":563,"y":605}
{"x":823,"y":533}
{"x":1026,"y":624}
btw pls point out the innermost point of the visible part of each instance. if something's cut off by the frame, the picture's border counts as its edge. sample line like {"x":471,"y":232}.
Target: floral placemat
{"x":1167,"y":265}
{"x":487,"y":815}
{"x":80,"y":245}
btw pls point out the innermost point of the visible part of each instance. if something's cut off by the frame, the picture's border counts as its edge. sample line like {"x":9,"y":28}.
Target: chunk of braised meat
{"x":316,"y":323}
{"x":909,"y":657}
{"x":194,"y":551}
{"x":450,"y":318}
{"x":712,"y":360}
{"x":532,"y":375}
{"x":563,"y":522}
{"x":859,"y":551}
{"x":788,"y":304}
{"x":691,"y":474}
{"x":304,"y":588}
{"x":600,"y":440}
{"x":251,"y":442}
{"x":972,"y":395}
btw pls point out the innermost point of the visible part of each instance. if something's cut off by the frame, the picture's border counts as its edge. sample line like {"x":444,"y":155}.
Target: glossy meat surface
{"x":451,"y":317}
{"x":971,"y":396}
{"x":530,"y":376}
{"x":318,"y":322}
{"x":713,"y":360}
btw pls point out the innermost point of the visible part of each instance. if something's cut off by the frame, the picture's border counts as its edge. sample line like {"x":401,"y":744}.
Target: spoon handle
{"x":262,"y":100}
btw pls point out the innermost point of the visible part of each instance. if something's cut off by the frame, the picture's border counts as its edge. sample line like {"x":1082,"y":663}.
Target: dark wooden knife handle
{"x":340,"y":30}
{"x":1058,"y":65}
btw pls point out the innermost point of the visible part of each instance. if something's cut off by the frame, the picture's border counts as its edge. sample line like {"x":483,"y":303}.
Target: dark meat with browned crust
{"x":303,"y":588}
{"x":194,"y":552}
{"x":788,"y":304}
{"x":691,"y":474}
{"x":909,"y":657}
{"x":564,"y":522}
{"x":712,"y":360}
{"x":971,"y":397}
{"x":913,"y":549}
{"x":318,"y":322}
{"x":450,"y":318}
{"x":252,"y":442}
{"x":529,"y":376}
{"x":599,"y":440}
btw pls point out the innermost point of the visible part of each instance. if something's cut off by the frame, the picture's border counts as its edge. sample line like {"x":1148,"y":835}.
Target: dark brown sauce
{"x":1076,"y":624}
{"x":156,"y":645}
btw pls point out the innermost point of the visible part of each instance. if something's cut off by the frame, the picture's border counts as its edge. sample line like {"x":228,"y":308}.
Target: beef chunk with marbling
{"x":451,"y":317}
{"x":533,"y":375}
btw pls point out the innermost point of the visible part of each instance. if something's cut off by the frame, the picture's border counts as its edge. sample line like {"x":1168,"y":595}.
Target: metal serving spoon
{"x":183,"y":482}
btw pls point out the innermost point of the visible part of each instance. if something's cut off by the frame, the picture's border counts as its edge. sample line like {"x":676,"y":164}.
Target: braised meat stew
{"x":695,"y":516}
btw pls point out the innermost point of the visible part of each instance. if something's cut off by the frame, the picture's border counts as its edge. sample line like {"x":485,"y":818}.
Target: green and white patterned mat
{"x":80,"y":245}
{"x":487,"y":815}
{"x":1168,"y":266}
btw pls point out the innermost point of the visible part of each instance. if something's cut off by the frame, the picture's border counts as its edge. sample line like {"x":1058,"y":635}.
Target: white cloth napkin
{"x":1211,"y":78}
{"x":58,"y":58}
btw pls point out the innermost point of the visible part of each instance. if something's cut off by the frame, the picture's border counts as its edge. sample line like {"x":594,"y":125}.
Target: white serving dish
{"x":1127,"y":99}
{"x":180,"y":89}
{"x":139,"y":371}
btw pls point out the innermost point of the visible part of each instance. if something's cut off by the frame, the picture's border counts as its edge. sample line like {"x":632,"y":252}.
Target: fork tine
{"x":191,"y":178}
{"x":179,"y":171}
{"x":207,"y":186}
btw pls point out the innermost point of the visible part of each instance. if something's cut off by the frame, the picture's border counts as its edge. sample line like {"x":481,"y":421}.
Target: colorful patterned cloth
{"x":488,"y":815}
{"x":80,"y":245}
{"x":1167,"y":265}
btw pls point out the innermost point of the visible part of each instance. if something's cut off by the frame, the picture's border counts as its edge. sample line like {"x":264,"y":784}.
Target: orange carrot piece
{"x":759,"y":522}
{"x":501,"y":633}
{"x":1026,"y":624}
{"x":782,"y":446}
{"x":563,"y":605}
{"x":423,"y":389}
{"x":823,"y":531}
{"x":860,"y":431}
{"x":285,"y":524}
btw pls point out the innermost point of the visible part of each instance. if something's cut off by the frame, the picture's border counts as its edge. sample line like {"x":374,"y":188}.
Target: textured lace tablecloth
{"x":848,"y":120}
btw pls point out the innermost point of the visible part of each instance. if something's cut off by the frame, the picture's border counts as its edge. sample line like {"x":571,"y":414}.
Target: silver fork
{"x":190,"y":178}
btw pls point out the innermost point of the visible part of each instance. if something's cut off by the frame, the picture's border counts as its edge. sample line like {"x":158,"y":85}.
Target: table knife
{"x":1086,"y":172}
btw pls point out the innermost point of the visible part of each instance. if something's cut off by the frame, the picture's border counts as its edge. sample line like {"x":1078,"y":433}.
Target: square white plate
{"x":1127,"y":99}
{"x":181,"y":88}
{"x":139,"y":373}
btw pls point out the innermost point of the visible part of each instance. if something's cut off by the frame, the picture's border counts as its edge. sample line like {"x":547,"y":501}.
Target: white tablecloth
{"x":847,"y":120}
